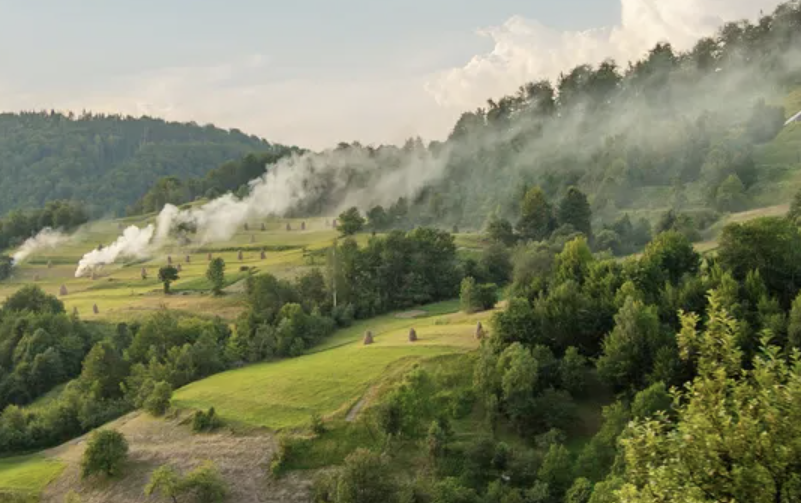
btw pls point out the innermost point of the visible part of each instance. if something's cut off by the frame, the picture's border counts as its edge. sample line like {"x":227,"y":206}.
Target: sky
{"x":313,"y":73}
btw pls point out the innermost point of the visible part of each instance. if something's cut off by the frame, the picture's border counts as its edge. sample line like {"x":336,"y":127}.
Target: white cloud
{"x":378,"y":107}
{"x":247,"y":94}
{"x":525,"y":50}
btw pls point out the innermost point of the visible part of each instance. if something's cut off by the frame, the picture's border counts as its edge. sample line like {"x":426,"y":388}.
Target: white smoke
{"x":386,"y":174}
{"x":526,"y":50}
{"x":134,"y":242}
{"x":47,"y":238}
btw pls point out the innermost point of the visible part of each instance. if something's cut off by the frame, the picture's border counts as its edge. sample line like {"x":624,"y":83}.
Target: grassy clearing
{"x":285,"y":393}
{"x":25,"y":477}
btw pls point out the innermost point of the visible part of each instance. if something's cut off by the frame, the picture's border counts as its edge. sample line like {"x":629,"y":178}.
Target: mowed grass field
{"x":24,"y":477}
{"x":331,"y":378}
{"x":120,"y":293}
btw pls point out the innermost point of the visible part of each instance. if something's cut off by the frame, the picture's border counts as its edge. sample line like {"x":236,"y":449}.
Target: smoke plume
{"x":134,"y":242}
{"x":330,"y":181}
{"x":47,"y":238}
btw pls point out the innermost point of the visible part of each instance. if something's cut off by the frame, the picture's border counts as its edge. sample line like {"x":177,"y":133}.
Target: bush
{"x":105,"y":454}
{"x":203,"y":483}
{"x":158,"y":401}
{"x":475,"y":298}
{"x":205,"y":421}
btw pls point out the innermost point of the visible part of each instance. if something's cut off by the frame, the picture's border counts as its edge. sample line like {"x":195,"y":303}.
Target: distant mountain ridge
{"x":106,"y":162}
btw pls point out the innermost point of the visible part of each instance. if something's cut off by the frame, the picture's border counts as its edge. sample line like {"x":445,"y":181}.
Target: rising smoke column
{"x":47,"y":238}
{"x":134,"y":242}
{"x":386,"y":175}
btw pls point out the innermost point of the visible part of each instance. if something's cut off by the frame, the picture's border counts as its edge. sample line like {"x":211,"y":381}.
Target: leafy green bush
{"x":475,"y":297}
{"x":105,"y":454}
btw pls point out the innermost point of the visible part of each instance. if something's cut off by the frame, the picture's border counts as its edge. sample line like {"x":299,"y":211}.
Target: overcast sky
{"x":316,"y":72}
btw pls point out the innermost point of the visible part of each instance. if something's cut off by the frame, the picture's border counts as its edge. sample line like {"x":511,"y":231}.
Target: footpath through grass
{"x":284,"y":394}
{"x":23,"y":478}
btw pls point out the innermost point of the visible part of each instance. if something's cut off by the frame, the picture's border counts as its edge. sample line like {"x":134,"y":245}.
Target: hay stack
{"x":480,"y":334}
{"x":368,"y":338}
{"x":144,"y":273}
{"x":169,"y":259}
{"x":239,"y":256}
{"x":95,"y":309}
{"x":288,"y":226}
{"x":263,"y":254}
{"x":188,"y":259}
{"x":263,"y":227}
{"x":303,"y":226}
{"x":180,"y":269}
{"x":63,"y":290}
{"x":412,"y":335}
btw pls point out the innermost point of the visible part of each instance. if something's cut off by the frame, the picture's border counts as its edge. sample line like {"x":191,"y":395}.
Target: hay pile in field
{"x":480,"y":334}
{"x":63,"y":290}
{"x":368,"y":338}
{"x":95,"y":309}
{"x":412,"y":335}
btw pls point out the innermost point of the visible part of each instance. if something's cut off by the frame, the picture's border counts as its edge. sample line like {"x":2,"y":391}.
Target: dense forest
{"x":105,"y":161}
{"x":700,"y":132}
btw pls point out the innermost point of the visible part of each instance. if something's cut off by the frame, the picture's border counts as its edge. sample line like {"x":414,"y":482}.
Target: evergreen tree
{"x":574,"y":209}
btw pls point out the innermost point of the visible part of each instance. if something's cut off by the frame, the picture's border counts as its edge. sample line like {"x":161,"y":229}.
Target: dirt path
{"x":354,"y":411}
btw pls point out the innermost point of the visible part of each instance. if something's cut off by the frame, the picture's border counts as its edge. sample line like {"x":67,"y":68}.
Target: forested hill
{"x":105,"y":161}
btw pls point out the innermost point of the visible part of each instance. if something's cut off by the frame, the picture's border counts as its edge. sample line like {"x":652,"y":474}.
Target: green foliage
{"x":350,"y":222}
{"x":747,"y":453}
{"x":580,"y":491}
{"x":769,"y":245}
{"x":216,"y":275}
{"x":730,"y":195}
{"x":651,"y":401}
{"x":795,"y":207}
{"x":573,"y":372}
{"x":475,"y":298}
{"x":6,"y":264}
{"x":104,"y":370}
{"x":574,"y":209}
{"x":500,"y":231}
{"x":106,"y":160}
{"x":205,"y":421}
{"x":366,"y":478}
{"x":557,"y":470}
{"x":159,"y":400}
{"x":106,"y":452}
{"x":167,"y":275}
{"x":536,"y":216}
{"x":203,"y":484}
{"x":317,"y":424}
{"x":628,"y":351}
{"x":496,"y":264}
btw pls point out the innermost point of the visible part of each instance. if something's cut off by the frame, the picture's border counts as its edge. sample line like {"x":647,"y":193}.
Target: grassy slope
{"x":328,"y":381}
{"x":27,"y":476}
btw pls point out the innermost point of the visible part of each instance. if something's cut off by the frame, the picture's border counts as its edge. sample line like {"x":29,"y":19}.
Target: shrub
{"x":475,"y":298}
{"x":158,"y":401}
{"x":205,"y":421}
{"x":106,"y":452}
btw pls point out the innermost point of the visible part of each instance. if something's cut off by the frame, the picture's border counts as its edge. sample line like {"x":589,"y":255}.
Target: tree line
{"x":699,"y":354}
{"x":106,"y":162}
